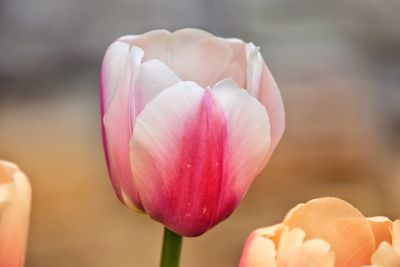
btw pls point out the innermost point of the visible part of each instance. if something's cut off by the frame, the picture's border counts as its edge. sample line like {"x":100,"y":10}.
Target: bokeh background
{"x":337,"y":64}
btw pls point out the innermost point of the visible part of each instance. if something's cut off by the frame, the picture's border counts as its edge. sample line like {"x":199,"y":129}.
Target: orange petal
{"x":382,"y":229}
{"x":351,"y":239}
{"x":316,"y":214}
{"x":396,"y":236}
{"x":340,"y":224}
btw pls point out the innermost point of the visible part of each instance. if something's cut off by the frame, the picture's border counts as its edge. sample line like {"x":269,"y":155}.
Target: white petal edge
{"x":153,"y":78}
{"x":113,"y":69}
{"x":248,"y":131}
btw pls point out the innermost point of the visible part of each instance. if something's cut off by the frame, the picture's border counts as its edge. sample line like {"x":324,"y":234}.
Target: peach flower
{"x":15,"y":198}
{"x":321,"y":232}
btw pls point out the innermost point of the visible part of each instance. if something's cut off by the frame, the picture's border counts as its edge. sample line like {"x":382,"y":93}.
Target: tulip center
{"x":196,"y":56}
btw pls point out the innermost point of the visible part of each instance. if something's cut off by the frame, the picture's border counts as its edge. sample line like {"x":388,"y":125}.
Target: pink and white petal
{"x":385,"y":256}
{"x":153,"y":78}
{"x":118,"y":130}
{"x":113,"y":69}
{"x":382,"y":229}
{"x":258,"y":252}
{"x":179,"y":152}
{"x":247,"y":140}
{"x":15,"y":199}
{"x":261,"y":84}
{"x":115,"y":73}
{"x":175,"y":169}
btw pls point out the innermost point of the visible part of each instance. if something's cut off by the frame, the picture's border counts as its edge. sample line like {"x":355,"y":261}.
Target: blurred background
{"x":337,"y":64}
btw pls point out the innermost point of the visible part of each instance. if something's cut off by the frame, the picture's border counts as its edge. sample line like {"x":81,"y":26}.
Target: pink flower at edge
{"x":188,"y":120}
{"x":15,"y":199}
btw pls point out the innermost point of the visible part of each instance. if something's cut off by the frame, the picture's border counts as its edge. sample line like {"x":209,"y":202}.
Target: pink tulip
{"x":189,"y":119}
{"x":15,"y":197}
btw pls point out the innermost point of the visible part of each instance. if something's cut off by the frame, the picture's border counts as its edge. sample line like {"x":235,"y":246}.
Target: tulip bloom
{"x":189,"y":119}
{"x":15,"y":197}
{"x":335,"y":234}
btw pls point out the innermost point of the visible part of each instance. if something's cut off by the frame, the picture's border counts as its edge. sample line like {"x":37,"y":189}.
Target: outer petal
{"x":354,"y":251}
{"x":15,"y":197}
{"x":396,"y":236}
{"x":262,"y":85}
{"x":248,"y":140}
{"x":318,"y":213}
{"x":382,"y":229}
{"x":258,"y":252}
{"x":118,"y":130}
{"x":128,"y":85}
{"x":113,"y":69}
{"x":334,"y":220}
{"x":186,"y":156}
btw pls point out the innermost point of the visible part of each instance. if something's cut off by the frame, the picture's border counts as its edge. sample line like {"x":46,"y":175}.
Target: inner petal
{"x":196,"y":55}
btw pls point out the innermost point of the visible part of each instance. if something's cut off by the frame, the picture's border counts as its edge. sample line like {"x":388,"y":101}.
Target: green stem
{"x":171,"y":250}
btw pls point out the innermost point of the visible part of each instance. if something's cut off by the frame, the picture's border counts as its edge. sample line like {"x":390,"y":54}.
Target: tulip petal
{"x":153,"y":78}
{"x":113,"y":70}
{"x":289,"y":244}
{"x":294,"y":252}
{"x":258,"y":252}
{"x":248,"y":138}
{"x":15,"y":197}
{"x":195,"y":151}
{"x":118,"y":130}
{"x":385,"y":256}
{"x":114,"y":73}
{"x":316,"y":253}
{"x":272,"y":232}
{"x":195,"y":55}
{"x":352,"y":241}
{"x":334,"y":220}
{"x":261,"y":84}
{"x":318,"y":213}
{"x":396,"y":236}
{"x":382,"y":229}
